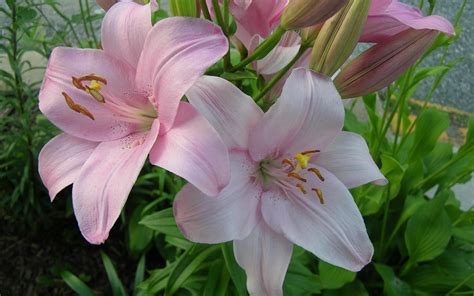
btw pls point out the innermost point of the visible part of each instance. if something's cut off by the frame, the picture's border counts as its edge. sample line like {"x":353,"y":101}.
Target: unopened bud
{"x":338,"y":37}
{"x":184,"y":8}
{"x":308,"y":35}
{"x":306,"y":13}
{"x":383,"y":63}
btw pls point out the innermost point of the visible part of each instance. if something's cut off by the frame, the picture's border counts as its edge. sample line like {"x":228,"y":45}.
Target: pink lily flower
{"x":290,"y":173}
{"x":390,"y":17}
{"x":118,"y":105}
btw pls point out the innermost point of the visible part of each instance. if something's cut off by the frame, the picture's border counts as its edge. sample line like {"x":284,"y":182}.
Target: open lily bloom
{"x":390,"y":17}
{"x":290,"y":173}
{"x":118,"y":105}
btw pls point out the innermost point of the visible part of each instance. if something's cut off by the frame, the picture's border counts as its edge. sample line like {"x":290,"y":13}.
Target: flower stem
{"x":262,"y":50}
{"x":205,"y":10}
{"x":222,"y":24}
{"x":277,"y":77}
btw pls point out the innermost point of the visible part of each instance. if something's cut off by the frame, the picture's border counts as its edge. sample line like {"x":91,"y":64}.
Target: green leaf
{"x":117,"y":287}
{"x":236,"y":272}
{"x":217,"y":280}
{"x":158,"y":15}
{"x":428,"y":231}
{"x":355,"y":288}
{"x":429,"y":127}
{"x":240,"y":75}
{"x":139,"y":236}
{"x":163,"y":222}
{"x":392,"y":285}
{"x":189,"y":261}
{"x":139,"y":276}
{"x":465,"y":233}
{"x":75,"y":283}
{"x":333,"y":277}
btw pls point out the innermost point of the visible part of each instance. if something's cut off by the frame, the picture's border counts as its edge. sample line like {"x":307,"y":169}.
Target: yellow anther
{"x":317,"y":172}
{"x":302,"y":160}
{"x":319,"y":195}
{"x":301,"y":187}
{"x":297,"y":177}
{"x":95,"y":85}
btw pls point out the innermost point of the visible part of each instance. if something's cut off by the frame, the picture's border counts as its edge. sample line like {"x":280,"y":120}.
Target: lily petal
{"x":60,"y":161}
{"x":308,"y":115}
{"x":378,"y":6}
{"x":348,"y":158}
{"x":193,"y":150}
{"x":177,"y":52}
{"x":231,"y":112}
{"x":106,"y":180}
{"x":265,"y":256}
{"x":231,"y":215}
{"x":124,"y":29}
{"x":66,"y":63}
{"x":333,"y":231}
{"x":397,"y":17}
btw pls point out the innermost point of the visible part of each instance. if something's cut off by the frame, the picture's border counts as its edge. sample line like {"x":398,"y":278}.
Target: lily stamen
{"x":76,"y":107}
{"x":301,"y":187}
{"x":319,"y":194}
{"x":296,"y":176}
{"x":310,"y":152}
{"x":288,"y":162}
{"x":317,"y":172}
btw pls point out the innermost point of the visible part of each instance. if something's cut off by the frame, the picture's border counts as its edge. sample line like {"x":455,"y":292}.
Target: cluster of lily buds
{"x":305,"y":13}
{"x":338,"y":37}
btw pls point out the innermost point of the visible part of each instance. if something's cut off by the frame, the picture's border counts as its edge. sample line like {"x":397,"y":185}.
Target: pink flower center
{"x":92,"y":84}
{"x":290,"y":173}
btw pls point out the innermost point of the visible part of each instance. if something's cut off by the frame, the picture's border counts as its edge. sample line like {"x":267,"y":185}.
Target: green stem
{"x":205,"y":10}
{"x":221,"y":23}
{"x":84,"y":23}
{"x":465,"y":280}
{"x":262,"y":50}
{"x":90,"y":22}
{"x":384,"y":224}
{"x":406,"y":267}
{"x":277,"y":77}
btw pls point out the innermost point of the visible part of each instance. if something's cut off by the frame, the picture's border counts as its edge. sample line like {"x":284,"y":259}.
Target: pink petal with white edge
{"x":60,"y":161}
{"x":230,"y":215}
{"x":348,"y":158}
{"x":398,"y":17}
{"x":177,"y":52}
{"x":265,"y":256}
{"x":231,"y":112}
{"x":124,"y":30}
{"x":106,"y":180}
{"x":193,"y":150}
{"x":66,"y":63}
{"x":308,"y":115}
{"x":333,"y":231}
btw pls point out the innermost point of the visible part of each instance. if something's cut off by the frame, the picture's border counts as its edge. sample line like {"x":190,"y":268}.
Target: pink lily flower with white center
{"x":390,"y":17}
{"x":118,"y":105}
{"x":290,"y":173}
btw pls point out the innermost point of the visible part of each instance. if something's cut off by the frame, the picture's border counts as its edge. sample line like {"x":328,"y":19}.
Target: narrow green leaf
{"x":139,"y":276}
{"x":76,"y":284}
{"x":162,"y":221}
{"x":117,"y":287}
{"x":236,"y":272}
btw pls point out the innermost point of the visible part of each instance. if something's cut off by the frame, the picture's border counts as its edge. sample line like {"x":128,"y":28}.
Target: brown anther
{"x":91,"y":77}
{"x":77,"y":83}
{"x":310,"y":152}
{"x":96,"y":94}
{"x":76,"y":107}
{"x":301,"y":187}
{"x":319,"y":194}
{"x":296,"y":176}
{"x":317,"y":172}
{"x":288,"y":162}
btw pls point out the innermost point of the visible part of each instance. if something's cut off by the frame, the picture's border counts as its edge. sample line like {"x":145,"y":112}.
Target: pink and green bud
{"x":306,"y":13}
{"x":338,"y":37}
{"x":383,"y":63}
{"x":189,"y":8}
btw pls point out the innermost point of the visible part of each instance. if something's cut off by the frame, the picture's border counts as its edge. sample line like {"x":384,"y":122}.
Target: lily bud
{"x":106,"y":4}
{"x":306,"y":13}
{"x":189,"y":8}
{"x":308,"y":35}
{"x":383,"y":63}
{"x":338,"y":37}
